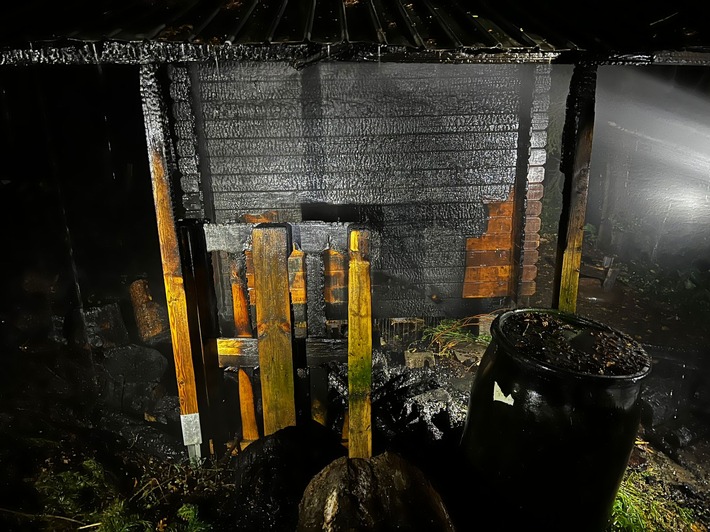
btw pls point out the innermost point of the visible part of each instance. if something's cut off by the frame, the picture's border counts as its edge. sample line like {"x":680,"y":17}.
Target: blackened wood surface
{"x":577,"y":154}
{"x":156,"y":136}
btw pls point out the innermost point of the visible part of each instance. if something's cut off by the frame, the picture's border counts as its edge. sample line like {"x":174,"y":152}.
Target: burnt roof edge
{"x":304,"y":54}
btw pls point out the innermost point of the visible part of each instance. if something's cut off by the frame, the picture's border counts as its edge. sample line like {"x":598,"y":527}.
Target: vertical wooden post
{"x":250,"y":431}
{"x":297,"y":284}
{"x":577,"y":154}
{"x":359,"y":347}
{"x":154,"y":117}
{"x":240,"y":303}
{"x":273,"y":313}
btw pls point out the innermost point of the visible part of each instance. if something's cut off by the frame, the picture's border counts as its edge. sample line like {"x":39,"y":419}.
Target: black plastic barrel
{"x":547,"y":444}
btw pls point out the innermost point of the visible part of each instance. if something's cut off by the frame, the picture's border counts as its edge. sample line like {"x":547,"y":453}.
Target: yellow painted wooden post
{"x":154,"y":116}
{"x":578,"y":156}
{"x":359,"y":347}
{"x":273,"y":315}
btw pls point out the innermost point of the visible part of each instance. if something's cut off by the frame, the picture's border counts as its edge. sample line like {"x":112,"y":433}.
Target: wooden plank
{"x":575,"y":166}
{"x":487,"y":273}
{"x":490,"y":242}
{"x":251,"y":291}
{"x":297,"y":287}
{"x":247,"y":410}
{"x":174,"y":286}
{"x":273,"y":313}
{"x":359,"y":347}
{"x":500,"y":257}
{"x":158,"y":148}
{"x":486,"y":289}
{"x":319,"y":394}
{"x":237,"y":352}
{"x":240,"y":302}
{"x":336,"y":285}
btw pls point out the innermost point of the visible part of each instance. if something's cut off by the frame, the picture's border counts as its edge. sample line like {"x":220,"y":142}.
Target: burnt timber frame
{"x":157,"y":139}
{"x":577,"y":148}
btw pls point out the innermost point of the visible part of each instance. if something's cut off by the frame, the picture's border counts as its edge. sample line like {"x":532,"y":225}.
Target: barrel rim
{"x":514,"y":353}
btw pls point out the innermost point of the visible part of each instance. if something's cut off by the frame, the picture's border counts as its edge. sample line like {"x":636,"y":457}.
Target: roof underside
{"x":443,"y":30}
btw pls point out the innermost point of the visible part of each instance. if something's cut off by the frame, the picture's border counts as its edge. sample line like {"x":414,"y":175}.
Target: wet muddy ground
{"x":70,"y":460}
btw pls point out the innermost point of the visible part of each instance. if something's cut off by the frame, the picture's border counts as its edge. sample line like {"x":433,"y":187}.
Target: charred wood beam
{"x":154,"y":116}
{"x":576,"y":157}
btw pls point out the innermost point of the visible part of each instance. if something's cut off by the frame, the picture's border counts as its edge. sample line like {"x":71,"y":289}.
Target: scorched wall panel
{"x":417,"y":149}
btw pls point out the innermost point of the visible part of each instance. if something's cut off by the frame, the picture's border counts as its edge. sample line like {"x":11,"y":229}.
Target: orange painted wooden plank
{"x":335,"y":277}
{"x":499,"y":224}
{"x":247,"y":410}
{"x":273,"y":313}
{"x":263,"y":217}
{"x":486,"y":289}
{"x":487,"y":273}
{"x":240,"y":302}
{"x":359,"y":347}
{"x":488,"y":257}
{"x":503,"y":208}
{"x":490,"y":242}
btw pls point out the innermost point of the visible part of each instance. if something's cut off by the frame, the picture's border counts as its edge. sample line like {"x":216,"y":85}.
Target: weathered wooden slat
{"x":251,"y":291}
{"x":486,"y":289}
{"x":240,"y":303}
{"x":359,"y":347}
{"x":247,"y":410}
{"x":336,"y":285}
{"x":174,"y":287}
{"x":487,"y":273}
{"x":158,"y":147}
{"x":490,"y":242}
{"x":273,"y":312}
{"x":244,"y":352}
{"x":237,"y":352}
{"x":297,"y":287}
{"x":319,"y":394}
{"x":500,"y":257}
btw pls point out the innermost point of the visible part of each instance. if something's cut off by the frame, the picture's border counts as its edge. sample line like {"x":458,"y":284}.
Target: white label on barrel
{"x":498,"y":395}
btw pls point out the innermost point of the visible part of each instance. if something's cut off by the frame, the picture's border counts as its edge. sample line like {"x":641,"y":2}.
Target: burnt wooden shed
{"x":289,"y":139}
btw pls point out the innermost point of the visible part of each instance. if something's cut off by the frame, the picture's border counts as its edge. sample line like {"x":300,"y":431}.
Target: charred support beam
{"x":202,"y":317}
{"x":273,"y":313}
{"x":359,"y":347}
{"x":576,"y":157}
{"x":156,"y":138}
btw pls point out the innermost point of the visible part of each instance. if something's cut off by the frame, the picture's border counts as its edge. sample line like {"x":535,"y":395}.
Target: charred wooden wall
{"x":419,"y":151}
